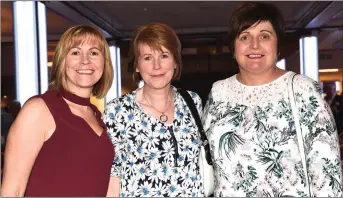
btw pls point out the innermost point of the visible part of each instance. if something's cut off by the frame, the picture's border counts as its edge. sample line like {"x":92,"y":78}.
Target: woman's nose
{"x":85,"y":59}
{"x":254,"y":44}
{"x":157,"y":63}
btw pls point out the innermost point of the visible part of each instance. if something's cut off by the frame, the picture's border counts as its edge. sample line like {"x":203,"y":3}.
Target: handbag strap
{"x":298,"y":128}
{"x":191,"y":106}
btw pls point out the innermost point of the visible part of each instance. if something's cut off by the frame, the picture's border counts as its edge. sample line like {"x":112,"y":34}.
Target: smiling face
{"x":256,"y":48}
{"x":155,"y":67}
{"x":84,"y":67}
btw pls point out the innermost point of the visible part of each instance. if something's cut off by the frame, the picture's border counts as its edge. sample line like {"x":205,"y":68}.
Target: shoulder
{"x":222,"y":89}
{"x":196,"y":98}
{"x":117,"y":105}
{"x":127,"y":98}
{"x":220,"y":84}
{"x":194,"y":95}
{"x":303,"y":83}
{"x":35,"y":105}
{"x":34,"y":110}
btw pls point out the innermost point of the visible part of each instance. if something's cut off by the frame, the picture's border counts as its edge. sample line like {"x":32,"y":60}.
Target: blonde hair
{"x":155,"y":35}
{"x":73,"y":37}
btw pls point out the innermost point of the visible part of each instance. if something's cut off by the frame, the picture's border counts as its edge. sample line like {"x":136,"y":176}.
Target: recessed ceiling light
{"x":328,"y":70}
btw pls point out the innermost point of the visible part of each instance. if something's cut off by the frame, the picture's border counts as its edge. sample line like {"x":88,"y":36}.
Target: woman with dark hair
{"x":58,"y":144}
{"x":261,"y":144}
{"x":153,"y":132}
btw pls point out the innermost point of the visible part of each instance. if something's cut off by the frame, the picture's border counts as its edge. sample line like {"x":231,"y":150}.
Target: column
{"x":309,"y":57}
{"x":115,"y":90}
{"x":30,"y":49}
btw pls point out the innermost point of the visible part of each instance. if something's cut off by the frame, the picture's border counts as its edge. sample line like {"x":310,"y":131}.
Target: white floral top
{"x":254,"y":143}
{"x":145,"y":156}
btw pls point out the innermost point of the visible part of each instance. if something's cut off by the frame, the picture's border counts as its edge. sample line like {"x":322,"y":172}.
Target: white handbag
{"x":206,"y":171}
{"x":205,"y":160}
{"x":298,"y":129}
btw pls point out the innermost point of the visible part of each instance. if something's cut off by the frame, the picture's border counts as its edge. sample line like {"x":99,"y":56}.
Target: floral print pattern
{"x":254,"y":142}
{"x":145,"y":157}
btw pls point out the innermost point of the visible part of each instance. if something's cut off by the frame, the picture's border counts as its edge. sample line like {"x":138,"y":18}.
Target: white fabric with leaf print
{"x":254,"y":143}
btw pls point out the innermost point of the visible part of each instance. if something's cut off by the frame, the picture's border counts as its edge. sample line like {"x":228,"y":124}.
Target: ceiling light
{"x":328,"y":70}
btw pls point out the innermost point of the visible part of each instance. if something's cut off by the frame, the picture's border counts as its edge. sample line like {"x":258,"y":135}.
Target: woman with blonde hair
{"x":58,"y":145}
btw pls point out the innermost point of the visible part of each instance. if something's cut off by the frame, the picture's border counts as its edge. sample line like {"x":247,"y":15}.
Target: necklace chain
{"x":163,"y":117}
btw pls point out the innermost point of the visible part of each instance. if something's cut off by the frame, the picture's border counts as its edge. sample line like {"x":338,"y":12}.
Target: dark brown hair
{"x":73,"y":37}
{"x":155,"y":35}
{"x":250,"y":13}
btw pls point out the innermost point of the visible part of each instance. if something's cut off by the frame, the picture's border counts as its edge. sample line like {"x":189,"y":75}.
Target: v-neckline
{"x":84,"y":102}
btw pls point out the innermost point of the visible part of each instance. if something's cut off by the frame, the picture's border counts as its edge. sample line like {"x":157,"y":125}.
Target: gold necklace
{"x":163,"y":116}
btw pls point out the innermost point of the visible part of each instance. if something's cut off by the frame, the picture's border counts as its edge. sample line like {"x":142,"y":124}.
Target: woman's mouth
{"x":85,"y":71}
{"x":157,"y":75}
{"x":255,"y":56}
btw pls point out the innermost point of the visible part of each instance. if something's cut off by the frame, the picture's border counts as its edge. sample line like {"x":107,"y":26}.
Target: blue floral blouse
{"x":145,"y":157}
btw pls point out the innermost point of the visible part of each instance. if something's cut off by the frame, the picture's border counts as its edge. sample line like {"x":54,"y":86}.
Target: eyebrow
{"x":260,"y":31}
{"x":150,"y":54}
{"x":267,"y":31}
{"x":89,"y":48}
{"x":95,"y":48}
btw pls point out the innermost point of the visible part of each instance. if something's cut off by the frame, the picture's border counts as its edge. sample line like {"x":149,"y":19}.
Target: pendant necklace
{"x":163,"y":116}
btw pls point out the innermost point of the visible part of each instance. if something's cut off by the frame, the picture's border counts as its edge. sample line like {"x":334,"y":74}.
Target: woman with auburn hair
{"x":58,"y":145}
{"x":271,"y":132}
{"x":154,"y":135}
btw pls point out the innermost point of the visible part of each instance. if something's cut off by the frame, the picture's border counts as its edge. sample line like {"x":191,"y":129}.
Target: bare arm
{"x":114,"y":187}
{"x":25,"y":140}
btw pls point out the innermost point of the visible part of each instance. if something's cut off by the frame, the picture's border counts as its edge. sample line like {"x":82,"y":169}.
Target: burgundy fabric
{"x":74,"y":161}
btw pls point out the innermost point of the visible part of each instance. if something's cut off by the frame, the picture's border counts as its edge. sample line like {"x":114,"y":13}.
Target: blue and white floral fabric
{"x":254,"y":143}
{"x":145,"y":156}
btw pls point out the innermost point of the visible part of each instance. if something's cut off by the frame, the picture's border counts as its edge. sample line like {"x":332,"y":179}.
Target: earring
{"x":233,"y":56}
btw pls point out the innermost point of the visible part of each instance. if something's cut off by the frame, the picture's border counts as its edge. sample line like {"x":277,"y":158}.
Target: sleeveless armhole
{"x":51,"y":103}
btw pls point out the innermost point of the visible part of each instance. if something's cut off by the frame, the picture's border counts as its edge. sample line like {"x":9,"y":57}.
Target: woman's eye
{"x":244,"y":38}
{"x":94,"y":53}
{"x":147,"y":58}
{"x":265,"y":37}
{"x":75,"y":53}
{"x":165,"y":55}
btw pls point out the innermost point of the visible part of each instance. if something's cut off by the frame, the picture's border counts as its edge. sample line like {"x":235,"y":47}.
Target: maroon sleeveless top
{"x":74,"y":161}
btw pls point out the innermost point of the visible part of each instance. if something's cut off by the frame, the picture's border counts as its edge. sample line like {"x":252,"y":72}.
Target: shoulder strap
{"x":196,"y":117}
{"x":298,"y":128}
